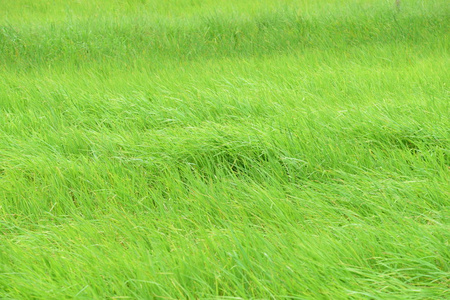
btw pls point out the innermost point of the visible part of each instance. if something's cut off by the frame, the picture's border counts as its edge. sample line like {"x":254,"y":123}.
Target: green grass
{"x":224,"y":149}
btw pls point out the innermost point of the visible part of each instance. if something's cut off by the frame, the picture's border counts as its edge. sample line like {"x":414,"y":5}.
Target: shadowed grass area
{"x":217,"y":149}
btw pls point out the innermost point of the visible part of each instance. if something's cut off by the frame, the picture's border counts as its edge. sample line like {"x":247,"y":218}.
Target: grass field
{"x":224,"y":149}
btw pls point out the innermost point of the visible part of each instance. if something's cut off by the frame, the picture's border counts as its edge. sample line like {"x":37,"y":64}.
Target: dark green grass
{"x":246,"y":149}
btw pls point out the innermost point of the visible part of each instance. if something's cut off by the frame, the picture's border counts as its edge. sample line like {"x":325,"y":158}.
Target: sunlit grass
{"x":216,"y":149}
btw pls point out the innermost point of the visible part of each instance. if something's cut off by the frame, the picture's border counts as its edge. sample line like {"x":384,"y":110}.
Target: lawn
{"x":291,"y":149}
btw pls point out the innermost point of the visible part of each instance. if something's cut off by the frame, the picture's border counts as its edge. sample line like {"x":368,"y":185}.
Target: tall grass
{"x":217,"y":149}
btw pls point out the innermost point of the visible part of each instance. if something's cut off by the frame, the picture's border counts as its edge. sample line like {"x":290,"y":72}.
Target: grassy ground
{"x":216,"y":149}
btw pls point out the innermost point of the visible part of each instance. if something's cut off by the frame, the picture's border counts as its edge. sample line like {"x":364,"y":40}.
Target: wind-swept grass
{"x":217,"y":149}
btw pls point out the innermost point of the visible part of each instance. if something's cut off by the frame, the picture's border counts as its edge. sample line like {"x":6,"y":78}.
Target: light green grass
{"x":224,"y":149}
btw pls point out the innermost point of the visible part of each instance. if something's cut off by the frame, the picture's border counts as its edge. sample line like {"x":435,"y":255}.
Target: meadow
{"x":188,"y":149}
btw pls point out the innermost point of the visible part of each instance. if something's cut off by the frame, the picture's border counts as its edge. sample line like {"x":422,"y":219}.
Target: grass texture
{"x":224,"y":149}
